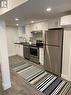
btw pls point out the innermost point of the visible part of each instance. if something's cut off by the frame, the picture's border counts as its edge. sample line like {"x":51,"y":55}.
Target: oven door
{"x":34,"y":54}
{"x":33,"y":51}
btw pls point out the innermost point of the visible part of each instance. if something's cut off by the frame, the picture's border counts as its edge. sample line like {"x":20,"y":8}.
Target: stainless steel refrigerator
{"x":53,"y":50}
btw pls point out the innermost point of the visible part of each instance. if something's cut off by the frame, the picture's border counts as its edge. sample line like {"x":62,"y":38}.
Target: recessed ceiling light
{"x":17,"y":19}
{"x":17,"y":24}
{"x":48,"y":9}
{"x":32,"y":21}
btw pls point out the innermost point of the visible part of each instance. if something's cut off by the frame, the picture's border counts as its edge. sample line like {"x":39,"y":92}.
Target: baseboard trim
{"x":65,"y":77}
{"x":6,"y":86}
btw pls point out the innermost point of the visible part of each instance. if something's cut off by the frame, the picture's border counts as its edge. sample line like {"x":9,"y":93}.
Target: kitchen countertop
{"x":27,"y":44}
{"x":22,"y":43}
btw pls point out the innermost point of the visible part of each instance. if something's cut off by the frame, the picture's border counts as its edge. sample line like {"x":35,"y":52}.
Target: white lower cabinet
{"x":41,"y":56}
{"x":19,"y":49}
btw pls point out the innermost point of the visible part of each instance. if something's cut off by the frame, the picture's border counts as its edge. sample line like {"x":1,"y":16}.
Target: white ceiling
{"x":36,"y":10}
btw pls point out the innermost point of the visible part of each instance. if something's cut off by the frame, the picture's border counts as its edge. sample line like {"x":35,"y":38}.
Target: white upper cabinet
{"x":54,"y":23}
{"x":39,"y":26}
{"x":65,"y":20}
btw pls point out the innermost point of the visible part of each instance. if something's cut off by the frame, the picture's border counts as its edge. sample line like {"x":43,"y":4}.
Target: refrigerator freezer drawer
{"x":54,"y":37}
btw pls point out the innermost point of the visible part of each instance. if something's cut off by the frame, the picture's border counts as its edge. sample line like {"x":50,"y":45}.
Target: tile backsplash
{"x":37,"y":36}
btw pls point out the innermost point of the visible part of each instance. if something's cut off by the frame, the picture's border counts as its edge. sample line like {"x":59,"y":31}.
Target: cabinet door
{"x":19,"y":50}
{"x":41,"y":56}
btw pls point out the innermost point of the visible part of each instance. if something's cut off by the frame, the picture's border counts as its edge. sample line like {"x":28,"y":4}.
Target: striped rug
{"x":45,"y":82}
